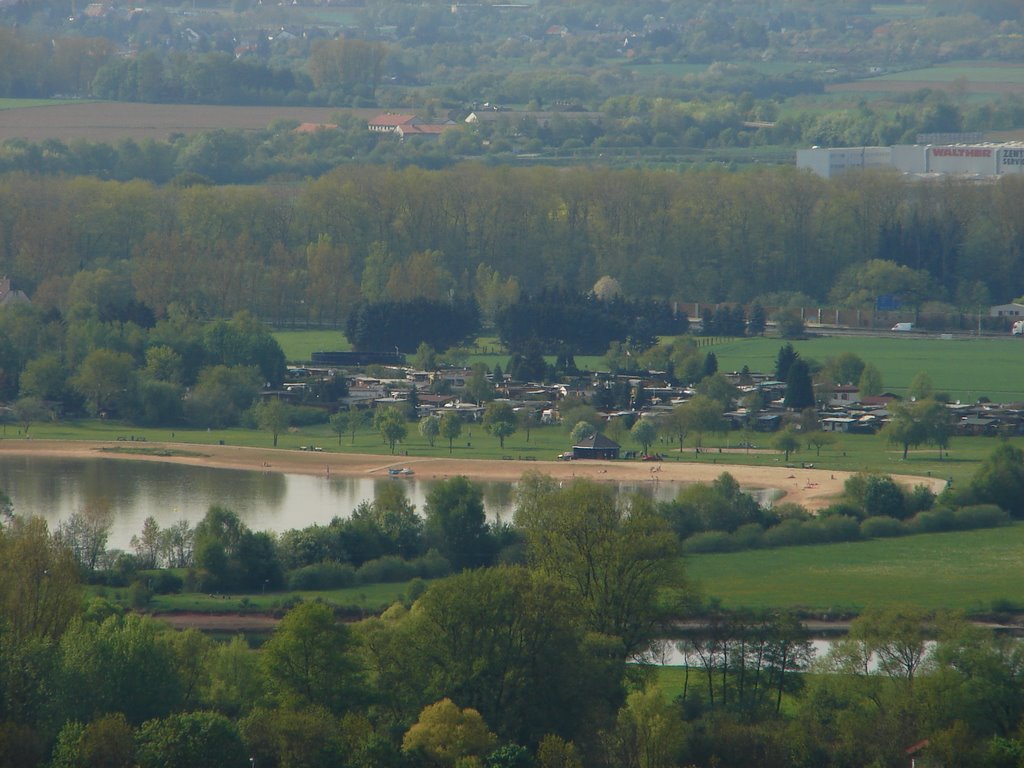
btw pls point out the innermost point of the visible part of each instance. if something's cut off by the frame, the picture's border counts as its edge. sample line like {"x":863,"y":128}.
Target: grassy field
{"x":975,"y":72}
{"x":967,"y":369}
{"x":372,"y":598}
{"x":21,"y":103}
{"x":967,"y":571}
{"x":299,"y":346}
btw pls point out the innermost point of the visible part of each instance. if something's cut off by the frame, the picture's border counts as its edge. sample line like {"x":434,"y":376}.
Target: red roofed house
{"x":389,"y":123}
{"x":407,"y":125}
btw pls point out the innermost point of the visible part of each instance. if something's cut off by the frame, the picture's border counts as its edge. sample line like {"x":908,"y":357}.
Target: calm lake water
{"x":134,"y":490}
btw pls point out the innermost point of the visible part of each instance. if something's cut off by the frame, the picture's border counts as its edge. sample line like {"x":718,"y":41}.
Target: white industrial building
{"x":979,"y":159}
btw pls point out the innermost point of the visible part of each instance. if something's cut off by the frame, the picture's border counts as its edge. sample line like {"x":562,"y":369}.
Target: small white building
{"x":1007,"y":310}
{"x":844,"y":394}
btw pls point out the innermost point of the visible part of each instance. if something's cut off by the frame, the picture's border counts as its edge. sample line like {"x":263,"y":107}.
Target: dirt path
{"x":812,"y":488}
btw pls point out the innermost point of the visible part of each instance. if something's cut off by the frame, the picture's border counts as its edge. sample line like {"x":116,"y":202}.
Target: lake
{"x":55,"y":488}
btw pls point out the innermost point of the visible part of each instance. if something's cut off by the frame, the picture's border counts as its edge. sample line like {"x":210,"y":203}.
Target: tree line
{"x":310,"y":252}
{"x":138,"y":372}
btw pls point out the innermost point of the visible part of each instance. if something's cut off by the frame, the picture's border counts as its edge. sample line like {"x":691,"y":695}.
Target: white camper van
{"x":902,"y":327}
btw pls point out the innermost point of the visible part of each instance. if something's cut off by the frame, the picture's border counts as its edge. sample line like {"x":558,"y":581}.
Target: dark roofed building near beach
{"x":597,"y":446}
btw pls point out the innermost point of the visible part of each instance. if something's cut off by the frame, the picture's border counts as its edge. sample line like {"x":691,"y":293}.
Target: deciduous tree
{"x":430,"y":428}
{"x":457,"y":525}
{"x":445,"y":734}
{"x":500,"y":420}
{"x":451,"y":428}
{"x":644,"y":432}
{"x":272,"y":416}
{"x":390,"y":422}
{"x":310,"y":660}
{"x":614,"y":559}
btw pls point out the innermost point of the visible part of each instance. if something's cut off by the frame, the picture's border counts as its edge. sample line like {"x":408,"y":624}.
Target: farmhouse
{"x":389,"y":123}
{"x":407,"y":125}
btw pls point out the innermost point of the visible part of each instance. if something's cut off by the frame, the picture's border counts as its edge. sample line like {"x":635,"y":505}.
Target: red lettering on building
{"x":961,"y":152}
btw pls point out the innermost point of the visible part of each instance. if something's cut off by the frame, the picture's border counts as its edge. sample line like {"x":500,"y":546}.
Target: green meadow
{"x":965,"y":368}
{"x":975,"y":72}
{"x":20,"y":103}
{"x":299,"y":346}
{"x":972,"y":571}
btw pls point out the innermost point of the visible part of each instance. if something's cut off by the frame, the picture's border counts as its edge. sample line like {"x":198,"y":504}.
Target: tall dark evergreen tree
{"x":799,"y":389}
{"x":710,"y":364}
{"x":758,"y":320}
{"x":786,"y":357}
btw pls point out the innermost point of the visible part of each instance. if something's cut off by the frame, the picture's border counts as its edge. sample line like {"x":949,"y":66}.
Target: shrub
{"x":749,"y":536}
{"x":304,"y":416}
{"x":165,"y":582}
{"x":709,"y":541}
{"x":883,"y":497}
{"x":790,"y":511}
{"x":433,"y":565}
{"x":933,"y":521}
{"x":842,"y":509}
{"x":139,"y":595}
{"x":980,"y":516}
{"x":793,"y":532}
{"x":322,"y":576}
{"x":919,"y":499}
{"x":387,"y":569}
{"x":841,"y":528}
{"x":881,"y":527}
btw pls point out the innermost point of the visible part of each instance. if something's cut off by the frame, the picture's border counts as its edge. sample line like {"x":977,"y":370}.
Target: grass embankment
{"x":371,"y":598}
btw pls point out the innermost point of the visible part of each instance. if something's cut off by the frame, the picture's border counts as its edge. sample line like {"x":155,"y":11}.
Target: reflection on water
{"x":54,"y":488}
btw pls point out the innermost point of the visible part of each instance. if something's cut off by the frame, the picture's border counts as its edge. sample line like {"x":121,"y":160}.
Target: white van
{"x":902,"y":327}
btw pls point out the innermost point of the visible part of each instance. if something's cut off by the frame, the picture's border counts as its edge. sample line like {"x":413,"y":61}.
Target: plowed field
{"x":110,"y":121}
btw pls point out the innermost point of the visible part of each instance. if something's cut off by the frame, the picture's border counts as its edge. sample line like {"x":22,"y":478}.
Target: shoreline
{"x":814,"y":489}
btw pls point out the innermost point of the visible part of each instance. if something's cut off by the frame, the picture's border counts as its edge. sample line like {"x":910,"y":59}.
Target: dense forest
{"x":310,"y":252}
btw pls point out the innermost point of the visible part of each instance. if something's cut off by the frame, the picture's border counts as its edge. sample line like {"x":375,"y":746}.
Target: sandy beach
{"x":812,"y":488}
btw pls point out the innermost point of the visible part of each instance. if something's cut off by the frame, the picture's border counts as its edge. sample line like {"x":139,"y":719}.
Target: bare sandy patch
{"x":812,"y":488}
